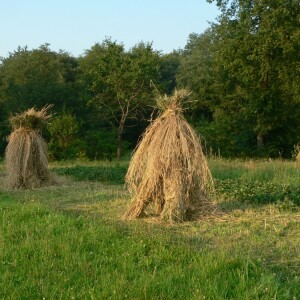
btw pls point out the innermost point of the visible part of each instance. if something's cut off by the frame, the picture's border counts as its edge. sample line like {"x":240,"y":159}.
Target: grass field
{"x":69,"y":242}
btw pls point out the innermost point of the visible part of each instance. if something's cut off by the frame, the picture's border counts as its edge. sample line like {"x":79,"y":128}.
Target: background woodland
{"x":244,"y":72}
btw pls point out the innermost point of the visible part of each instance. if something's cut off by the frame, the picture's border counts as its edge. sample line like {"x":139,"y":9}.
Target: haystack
{"x":26,"y":153}
{"x":168,"y":170}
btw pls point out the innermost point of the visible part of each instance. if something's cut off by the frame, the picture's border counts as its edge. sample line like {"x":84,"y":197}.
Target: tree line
{"x":244,"y":72}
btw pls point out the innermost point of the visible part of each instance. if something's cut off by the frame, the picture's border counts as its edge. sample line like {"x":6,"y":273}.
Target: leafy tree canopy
{"x":119,"y":81}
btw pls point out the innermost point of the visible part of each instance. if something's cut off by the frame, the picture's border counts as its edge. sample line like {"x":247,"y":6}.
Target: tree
{"x":28,"y":77}
{"x":258,"y":47}
{"x":37,"y":77}
{"x":34,"y":78}
{"x":198,"y":72}
{"x":64,"y":142}
{"x":213,"y":111}
{"x":169,"y":64}
{"x":119,"y":81}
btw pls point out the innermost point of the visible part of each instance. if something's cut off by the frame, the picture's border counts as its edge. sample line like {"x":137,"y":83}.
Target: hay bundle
{"x":168,"y":168}
{"x":26,"y":153}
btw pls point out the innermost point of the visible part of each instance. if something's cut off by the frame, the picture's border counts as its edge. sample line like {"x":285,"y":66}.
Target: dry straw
{"x":168,"y":175}
{"x":26,"y":153}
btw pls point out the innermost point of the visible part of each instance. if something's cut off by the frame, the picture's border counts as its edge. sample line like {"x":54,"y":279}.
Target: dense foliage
{"x":244,"y":72}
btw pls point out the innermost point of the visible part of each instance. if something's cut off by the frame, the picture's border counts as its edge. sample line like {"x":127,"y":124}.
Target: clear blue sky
{"x":76,"y":25}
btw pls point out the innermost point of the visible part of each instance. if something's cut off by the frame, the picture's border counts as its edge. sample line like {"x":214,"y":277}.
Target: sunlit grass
{"x":69,"y":241}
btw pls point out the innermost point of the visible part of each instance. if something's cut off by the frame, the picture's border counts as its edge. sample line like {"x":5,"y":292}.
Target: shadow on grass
{"x":112,"y":174}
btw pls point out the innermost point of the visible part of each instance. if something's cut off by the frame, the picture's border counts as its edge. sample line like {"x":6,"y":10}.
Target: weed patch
{"x":259,"y":192}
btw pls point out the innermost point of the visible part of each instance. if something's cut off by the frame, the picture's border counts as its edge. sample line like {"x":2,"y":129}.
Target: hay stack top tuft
{"x":31,"y":119}
{"x":175,"y":103}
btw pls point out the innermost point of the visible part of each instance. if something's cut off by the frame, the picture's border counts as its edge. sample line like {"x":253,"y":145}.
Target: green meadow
{"x":69,"y":241}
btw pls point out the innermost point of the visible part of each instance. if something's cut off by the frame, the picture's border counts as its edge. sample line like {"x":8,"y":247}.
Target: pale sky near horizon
{"x":76,"y":25}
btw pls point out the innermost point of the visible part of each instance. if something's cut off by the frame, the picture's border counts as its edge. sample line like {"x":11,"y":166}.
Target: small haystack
{"x":168,"y":170}
{"x":26,"y":153}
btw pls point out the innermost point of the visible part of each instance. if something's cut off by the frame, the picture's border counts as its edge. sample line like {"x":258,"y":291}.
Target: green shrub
{"x":64,"y":142}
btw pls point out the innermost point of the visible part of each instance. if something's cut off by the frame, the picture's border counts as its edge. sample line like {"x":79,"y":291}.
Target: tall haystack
{"x":168,"y":171}
{"x":26,"y":153}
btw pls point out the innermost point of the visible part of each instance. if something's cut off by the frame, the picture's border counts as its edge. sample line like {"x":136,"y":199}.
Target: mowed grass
{"x":69,"y":241}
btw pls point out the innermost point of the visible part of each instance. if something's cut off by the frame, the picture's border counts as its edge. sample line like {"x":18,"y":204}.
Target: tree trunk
{"x":260,"y":141}
{"x":120,"y":140}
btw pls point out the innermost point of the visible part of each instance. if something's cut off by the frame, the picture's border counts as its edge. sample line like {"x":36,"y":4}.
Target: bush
{"x":64,"y":143}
